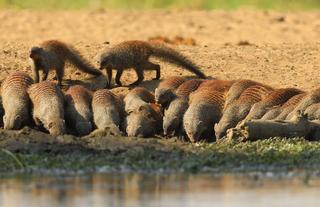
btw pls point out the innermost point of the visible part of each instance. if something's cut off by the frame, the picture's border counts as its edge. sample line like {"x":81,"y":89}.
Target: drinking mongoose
{"x":52,"y":55}
{"x":164,"y":93}
{"x":237,"y":88}
{"x":311,"y":98}
{"x":275,"y":98}
{"x":238,"y":109}
{"x":48,"y":107}
{"x":144,"y":117}
{"x":15,"y":100}
{"x":205,"y":109}
{"x":135,"y":54}
{"x":173,"y":114}
{"x":107,"y":111}
{"x":136,"y":97}
{"x":78,"y":111}
{"x":313,"y":111}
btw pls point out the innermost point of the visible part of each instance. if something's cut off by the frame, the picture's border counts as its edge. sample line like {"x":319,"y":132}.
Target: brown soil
{"x":279,"y":49}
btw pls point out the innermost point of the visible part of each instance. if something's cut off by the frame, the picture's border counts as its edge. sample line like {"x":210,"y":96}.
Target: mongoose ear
{"x":50,"y":125}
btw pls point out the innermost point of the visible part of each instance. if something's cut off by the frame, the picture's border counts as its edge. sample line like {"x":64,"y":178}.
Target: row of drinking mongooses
{"x":194,"y":108}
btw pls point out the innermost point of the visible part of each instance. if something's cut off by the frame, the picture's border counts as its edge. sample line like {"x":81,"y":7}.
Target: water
{"x":157,"y":190}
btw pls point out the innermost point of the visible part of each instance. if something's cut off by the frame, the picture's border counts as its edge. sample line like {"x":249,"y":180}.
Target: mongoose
{"x":311,"y":98}
{"x":173,"y":114}
{"x":78,"y":112}
{"x":283,"y":110}
{"x":238,"y":109}
{"x":205,"y":109}
{"x":275,"y":98}
{"x":237,"y":88}
{"x":15,"y":100}
{"x":144,"y":121}
{"x":136,"y":54}
{"x":217,"y":85}
{"x":107,"y":110}
{"x":52,"y":55}
{"x":313,"y":111}
{"x":48,"y":106}
{"x":136,"y":97}
{"x":164,"y":93}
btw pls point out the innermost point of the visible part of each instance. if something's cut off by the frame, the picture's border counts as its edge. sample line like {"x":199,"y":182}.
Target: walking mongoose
{"x":311,"y":98}
{"x":144,"y":117}
{"x":107,"y":111}
{"x":78,"y":111}
{"x":164,"y":93}
{"x":173,"y":114}
{"x":52,"y":55}
{"x":313,"y":111}
{"x":238,"y":109}
{"x":275,"y":98}
{"x":281,"y":112}
{"x":135,"y":54}
{"x":15,"y":100}
{"x":205,"y":109}
{"x":237,"y":88}
{"x":136,"y":97}
{"x":48,"y":107}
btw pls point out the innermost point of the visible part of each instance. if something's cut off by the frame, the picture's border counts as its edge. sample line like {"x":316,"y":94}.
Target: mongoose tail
{"x":174,"y":57}
{"x":72,"y":55}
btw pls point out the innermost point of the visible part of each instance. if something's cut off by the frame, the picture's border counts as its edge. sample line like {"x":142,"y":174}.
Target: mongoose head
{"x":57,"y":128}
{"x":164,"y":96}
{"x":173,"y":116}
{"x":83,"y":128}
{"x":195,"y":129}
{"x":142,"y":122}
{"x":12,"y":121}
{"x":106,"y":61}
{"x":35,"y":53}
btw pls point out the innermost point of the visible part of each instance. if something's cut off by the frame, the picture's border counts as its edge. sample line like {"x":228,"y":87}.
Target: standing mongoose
{"x":52,"y":55}
{"x":136,"y":54}
{"x":239,"y":109}
{"x":173,"y":114}
{"x":165,"y":91}
{"x":48,"y":106}
{"x":78,"y":112}
{"x":144,"y":117}
{"x":281,"y":112}
{"x":205,"y":109}
{"x":107,"y":111}
{"x":275,"y":98}
{"x":15,"y":100}
{"x":311,"y":98}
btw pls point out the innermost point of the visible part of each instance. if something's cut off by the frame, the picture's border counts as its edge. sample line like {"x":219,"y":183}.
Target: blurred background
{"x":157,"y":4}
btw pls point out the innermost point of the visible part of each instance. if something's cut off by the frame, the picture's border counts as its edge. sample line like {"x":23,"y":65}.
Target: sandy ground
{"x":281,"y":49}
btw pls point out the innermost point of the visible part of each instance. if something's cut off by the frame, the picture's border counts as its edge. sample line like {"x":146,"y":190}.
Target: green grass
{"x":168,"y":4}
{"x":276,"y":155}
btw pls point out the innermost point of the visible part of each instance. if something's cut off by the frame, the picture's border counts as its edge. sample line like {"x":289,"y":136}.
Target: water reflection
{"x":156,"y":190}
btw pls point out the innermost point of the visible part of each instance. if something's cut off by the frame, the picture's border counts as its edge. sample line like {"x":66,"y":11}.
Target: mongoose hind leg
{"x":140,"y":75}
{"x":151,"y":66}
